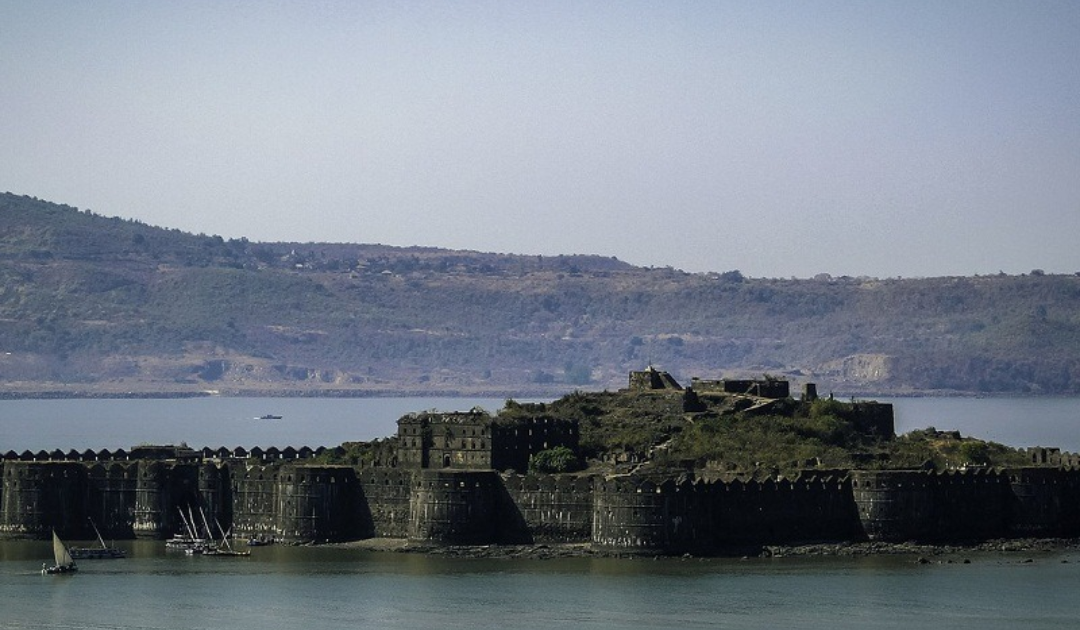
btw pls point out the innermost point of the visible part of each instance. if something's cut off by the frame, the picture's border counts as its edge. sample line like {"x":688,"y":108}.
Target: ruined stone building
{"x":476,"y":440}
{"x":653,"y":380}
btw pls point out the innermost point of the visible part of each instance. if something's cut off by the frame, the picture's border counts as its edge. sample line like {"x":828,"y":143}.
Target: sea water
{"x":292,"y":588}
{"x":220,"y":421}
{"x":210,"y":421}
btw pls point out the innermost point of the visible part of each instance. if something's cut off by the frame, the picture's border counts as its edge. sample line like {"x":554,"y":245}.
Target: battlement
{"x":168,"y":453}
{"x":1042,"y":456}
{"x":296,"y":501}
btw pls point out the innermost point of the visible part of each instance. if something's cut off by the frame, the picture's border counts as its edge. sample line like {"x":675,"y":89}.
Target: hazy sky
{"x":783,"y":139}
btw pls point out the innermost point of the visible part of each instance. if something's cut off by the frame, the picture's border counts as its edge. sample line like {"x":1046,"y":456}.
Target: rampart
{"x":545,"y":508}
{"x":449,"y":478}
{"x":299,"y":501}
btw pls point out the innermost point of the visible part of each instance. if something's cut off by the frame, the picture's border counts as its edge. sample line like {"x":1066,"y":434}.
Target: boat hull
{"x":83,"y":553}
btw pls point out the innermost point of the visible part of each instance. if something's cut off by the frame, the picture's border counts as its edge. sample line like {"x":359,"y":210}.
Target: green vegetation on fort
{"x":105,"y":304}
{"x":560,"y":459}
{"x":652,"y":431}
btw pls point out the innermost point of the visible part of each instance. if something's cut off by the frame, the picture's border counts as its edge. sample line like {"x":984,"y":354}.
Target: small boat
{"x":187,"y":544}
{"x":188,"y":541}
{"x":64,"y":562}
{"x":225,"y":548}
{"x":269,"y":416}
{"x":104,"y":552}
{"x":199,"y":549}
{"x":194,"y":545}
{"x":97,"y":553}
{"x":226,"y":551}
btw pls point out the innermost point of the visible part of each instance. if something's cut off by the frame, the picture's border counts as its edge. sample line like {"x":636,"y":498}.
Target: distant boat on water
{"x":104,"y":552}
{"x":189,"y":541}
{"x":269,"y":416}
{"x":223,"y":549}
{"x":226,"y":548}
{"x":64,"y":562}
{"x":193,"y":544}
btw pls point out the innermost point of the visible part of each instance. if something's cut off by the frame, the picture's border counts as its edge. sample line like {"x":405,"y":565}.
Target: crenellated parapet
{"x":295,"y":501}
{"x":254,"y":502}
{"x":384,"y":508}
{"x":967,"y":505}
{"x":41,"y":496}
{"x":165,"y":490}
{"x":1043,"y":501}
{"x":111,"y":496}
{"x":545,"y":508}
{"x":167,"y":452}
{"x":315,"y":503}
{"x":1044,"y":456}
{"x":453,"y":507}
{"x":970,"y":505}
{"x":644,"y":514}
{"x":808,"y":508}
{"x":894,"y":505}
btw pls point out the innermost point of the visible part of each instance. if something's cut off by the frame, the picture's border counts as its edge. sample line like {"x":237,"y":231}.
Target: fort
{"x":461,"y":478}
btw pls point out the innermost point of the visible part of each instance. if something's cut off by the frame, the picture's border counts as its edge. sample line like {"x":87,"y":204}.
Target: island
{"x":656,"y":467}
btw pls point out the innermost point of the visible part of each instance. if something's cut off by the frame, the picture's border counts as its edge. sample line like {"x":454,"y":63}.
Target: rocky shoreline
{"x":919,"y":552}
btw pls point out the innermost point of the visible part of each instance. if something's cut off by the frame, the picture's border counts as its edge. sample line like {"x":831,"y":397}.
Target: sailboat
{"x":64,"y":562}
{"x":225,"y":548}
{"x":104,"y":552}
{"x":189,"y":542}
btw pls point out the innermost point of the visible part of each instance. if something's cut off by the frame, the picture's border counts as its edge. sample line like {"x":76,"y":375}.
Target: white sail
{"x":60,"y":552}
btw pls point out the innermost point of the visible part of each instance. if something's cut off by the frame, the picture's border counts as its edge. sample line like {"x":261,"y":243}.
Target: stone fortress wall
{"x":451,"y":480}
{"x":298,"y":502}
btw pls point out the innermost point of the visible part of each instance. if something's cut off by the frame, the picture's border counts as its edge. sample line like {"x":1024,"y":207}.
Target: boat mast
{"x":209,"y":532}
{"x":187,"y":526}
{"x":224,"y":535}
{"x":100,"y":539}
{"x":194,"y":525}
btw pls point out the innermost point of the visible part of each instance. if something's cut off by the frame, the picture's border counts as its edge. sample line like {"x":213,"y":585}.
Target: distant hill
{"x":97,"y":305}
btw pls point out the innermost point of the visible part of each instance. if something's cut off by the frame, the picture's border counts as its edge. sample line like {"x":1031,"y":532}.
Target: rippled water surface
{"x":324,"y":587}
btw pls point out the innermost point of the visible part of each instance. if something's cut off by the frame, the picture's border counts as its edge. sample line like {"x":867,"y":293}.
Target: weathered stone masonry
{"x":299,"y":502}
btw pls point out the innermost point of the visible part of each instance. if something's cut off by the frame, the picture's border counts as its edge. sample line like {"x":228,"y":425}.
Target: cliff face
{"x":97,"y":305}
{"x":866,"y":369}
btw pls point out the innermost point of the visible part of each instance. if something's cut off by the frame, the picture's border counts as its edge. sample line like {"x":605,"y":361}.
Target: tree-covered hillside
{"x":96,"y":304}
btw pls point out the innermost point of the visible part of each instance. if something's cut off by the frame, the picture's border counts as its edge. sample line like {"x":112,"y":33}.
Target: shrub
{"x":554,"y":460}
{"x":975,"y":453}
